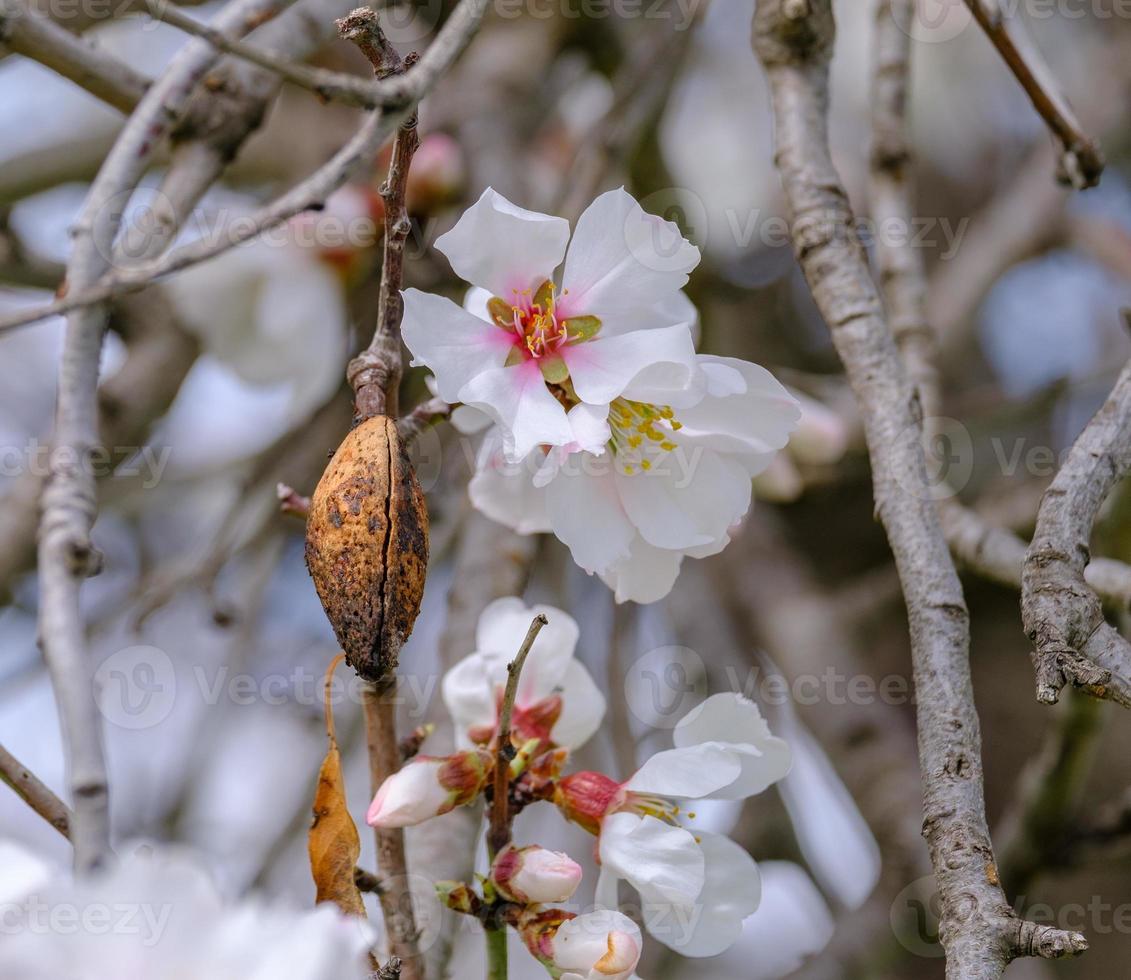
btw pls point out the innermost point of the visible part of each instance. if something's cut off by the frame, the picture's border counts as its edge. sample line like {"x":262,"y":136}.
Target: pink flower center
{"x":539,"y":321}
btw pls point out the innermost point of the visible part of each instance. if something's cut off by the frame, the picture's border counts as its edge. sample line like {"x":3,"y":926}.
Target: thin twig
{"x":979,"y":932}
{"x":499,"y":834}
{"x":375,"y":374}
{"x":338,"y":86}
{"x":420,"y":418}
{"x":380,"y":707}
{"x":1082,"y":161}
{"x":405,"y":91}
{"x":29,"y":33}
{"x":35,"y":793}
{"x":500,"y":817}
{"x":1062,"y":615}
{"x":69,"y":500}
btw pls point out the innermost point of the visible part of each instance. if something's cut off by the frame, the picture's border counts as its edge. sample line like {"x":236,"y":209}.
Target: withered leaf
{"x":333,"y":841}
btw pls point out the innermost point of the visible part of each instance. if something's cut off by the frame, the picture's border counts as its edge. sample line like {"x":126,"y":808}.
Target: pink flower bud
{"x":437,"y":175}
{"x":428,"y":787}
{"x":585,"y":797}
{"x":601,"y":945}
{"x":534,"y":875}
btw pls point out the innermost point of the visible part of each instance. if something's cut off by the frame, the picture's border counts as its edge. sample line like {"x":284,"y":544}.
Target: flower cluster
{"x":703,"y":883}
{"x":605,"y":426}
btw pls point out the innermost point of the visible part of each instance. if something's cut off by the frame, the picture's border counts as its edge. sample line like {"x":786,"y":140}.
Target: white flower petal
{"x":688,"y":499}
{"x":468,"y":421}
{"x":583,"y":707}
{"x":601,"y":369}
{"x":469,"y":690}
{"x":646,"y":575}
{"x":503,"y":626}
{"x":735,"y":721}
{"x":623,"y":259}
{"x":693,"y":772}
{"x":662,"y":862}
{"x":505,"y":492}
{"x":732,"y":891}
{"x":586,"y":514}
{"x":590,"y":425}
{"x":757,"y":421}
{"x":501,"y":247}
{"x":455,"y":345}
{"x":518,"y":399}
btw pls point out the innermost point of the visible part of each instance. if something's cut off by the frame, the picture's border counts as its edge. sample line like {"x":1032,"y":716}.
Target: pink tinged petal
{"x":732,"y":890}
{"x":502,"y":628}
{"x":659,"y":860}
{"x":500,"y":247}
{"x":543,"y":876}
{"x":410,"y":796}
{"x":690,"y":498}
{"x":753,"y":422}
{"x":622,"y":259}
{"x":732,"y":720}
{"x":505,"y":492}
{"x":586,"y":513}
{"x":518,"y":399}
{"x":603,"y":368}
{"x":583,"y":708}
{"x":694,"y":772}
{"x":455,"y":345}
{"x":646,"y":575}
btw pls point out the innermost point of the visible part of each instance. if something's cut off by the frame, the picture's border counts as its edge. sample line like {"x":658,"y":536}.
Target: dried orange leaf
{"x":333,"y":842}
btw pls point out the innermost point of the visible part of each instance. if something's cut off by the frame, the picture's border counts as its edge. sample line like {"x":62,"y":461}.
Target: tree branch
{"x":34,"y":793}
{"x":979,"y":931}
{"x":1082,"y":162}
{"x":69,"y":496}
{"x":375,"y":374}
{"x":1062,"y":614}
{"x":380,"y":706}
{"x":403,"y":91}
{"x":26,"y":32}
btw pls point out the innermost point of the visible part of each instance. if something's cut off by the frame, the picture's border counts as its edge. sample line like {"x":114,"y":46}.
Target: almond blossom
{"x":599,"y":945}
{"x":534,"y":875}
{"x":674,"y":484}
{"x":696,"y":887}
{"x":428,"y":787}
{"x":545,"y":358}
{"x":609,"y":430}
{"x":158,"y":914}
{"x":558,"y":702}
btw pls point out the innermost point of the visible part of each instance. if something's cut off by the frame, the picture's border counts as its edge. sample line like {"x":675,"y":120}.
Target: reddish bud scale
{"x":585,"y":798}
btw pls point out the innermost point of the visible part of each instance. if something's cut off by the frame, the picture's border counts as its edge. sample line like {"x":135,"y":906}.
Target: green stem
{"x":496,"y":952}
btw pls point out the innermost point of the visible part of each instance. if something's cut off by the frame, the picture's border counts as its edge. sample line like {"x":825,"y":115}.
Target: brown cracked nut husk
{"x":367,"y":546}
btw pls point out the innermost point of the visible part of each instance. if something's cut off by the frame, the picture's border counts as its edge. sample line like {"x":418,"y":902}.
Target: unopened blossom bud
{"x":457,"y":896}
{"x":585,"y":797}
{"x":601,"y":945}
{"x":821,"y":436}
{"x":428,"y":787}
{"x":534,"y":875}
{"x":437,"y":174}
